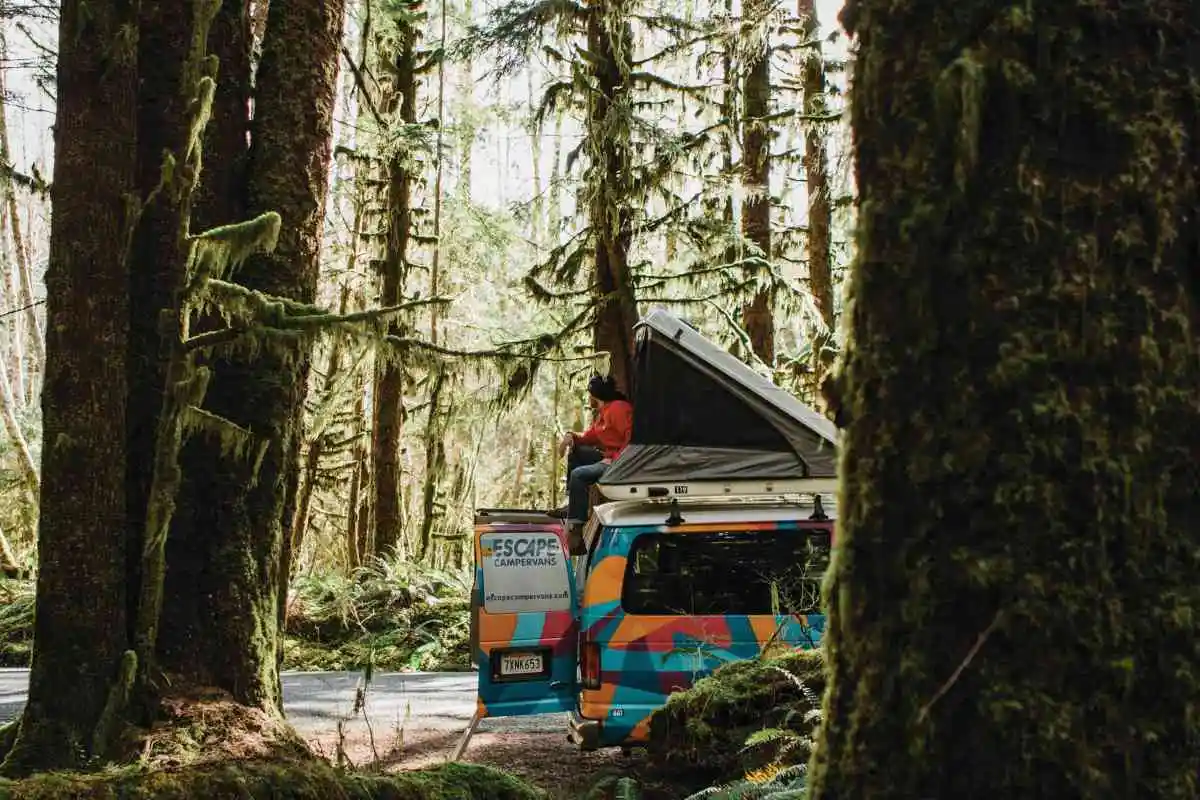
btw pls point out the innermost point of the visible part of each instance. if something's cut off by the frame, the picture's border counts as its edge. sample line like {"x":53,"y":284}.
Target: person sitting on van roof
{"x":592,"y":451}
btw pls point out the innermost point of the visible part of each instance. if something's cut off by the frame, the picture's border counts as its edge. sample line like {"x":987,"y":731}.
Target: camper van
{"x":710,"y":546}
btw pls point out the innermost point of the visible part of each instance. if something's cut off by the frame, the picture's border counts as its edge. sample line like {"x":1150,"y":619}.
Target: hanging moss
{"x":1013,"y":602}
{"x":217,"y":253}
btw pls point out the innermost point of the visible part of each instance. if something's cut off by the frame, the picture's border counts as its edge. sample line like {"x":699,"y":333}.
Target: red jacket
{"x":611,"y":429}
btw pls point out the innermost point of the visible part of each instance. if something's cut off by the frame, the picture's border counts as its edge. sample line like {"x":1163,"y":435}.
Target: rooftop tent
{"x":701,"y":415}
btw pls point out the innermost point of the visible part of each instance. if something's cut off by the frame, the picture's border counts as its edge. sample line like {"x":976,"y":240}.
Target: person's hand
{"x":564,"y":444}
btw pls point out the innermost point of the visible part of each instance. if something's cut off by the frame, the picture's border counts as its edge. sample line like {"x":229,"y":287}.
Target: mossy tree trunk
{"x":1013,"y":603}
{"x":610,"y":45}
{"x":819,"y":241}
{"x":158,"y":255}
{"x":435,"y":459}
{"x":758,"y":316}
{"x":228,"y":621}
{"x":220,"y":198}
{"x":358,"y":515}
{"x":816,"y":167}
{"x":400,"y":101}
{"x":79,"y":629}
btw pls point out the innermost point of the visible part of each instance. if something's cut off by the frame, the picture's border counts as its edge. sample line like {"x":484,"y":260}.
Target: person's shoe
{"x":558,"y":513}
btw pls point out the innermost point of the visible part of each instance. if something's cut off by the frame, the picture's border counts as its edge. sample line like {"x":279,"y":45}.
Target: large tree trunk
{"x":158,"y":255}
{"x":758,"y":316}
{"x":389,"y":387}
{"x":238,"y":508}
{"x":218,"y":199}
{"x":79,"y":627}
{"x":221,"y":196}
{"x":1012,"y":605}
{"x":610,"y":45}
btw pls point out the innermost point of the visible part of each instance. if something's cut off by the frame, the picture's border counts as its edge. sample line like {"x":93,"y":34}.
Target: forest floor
{"x":546,"y":760}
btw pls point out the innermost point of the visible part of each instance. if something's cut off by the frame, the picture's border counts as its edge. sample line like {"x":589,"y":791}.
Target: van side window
{"x":731,"y":572}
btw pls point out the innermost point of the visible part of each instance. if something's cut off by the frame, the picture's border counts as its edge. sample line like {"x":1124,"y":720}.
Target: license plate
{"x":521,"y":664}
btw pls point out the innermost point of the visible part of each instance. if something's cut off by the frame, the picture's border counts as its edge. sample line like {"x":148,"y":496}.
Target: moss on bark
{"x":758,"y":315}
{"x":226,"y":571}
{"x":1014,"y":597}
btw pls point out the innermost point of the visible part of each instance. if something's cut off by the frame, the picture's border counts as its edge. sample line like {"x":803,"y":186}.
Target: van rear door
{"x":666,"y":606}
{"x":523,"y":614}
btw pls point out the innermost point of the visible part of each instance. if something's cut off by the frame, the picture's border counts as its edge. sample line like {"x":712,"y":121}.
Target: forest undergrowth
{"x":744,"y":732}
{"x":389,"y":616}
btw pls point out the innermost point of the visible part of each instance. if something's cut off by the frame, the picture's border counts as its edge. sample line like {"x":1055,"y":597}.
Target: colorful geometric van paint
{"x":664,"y":602}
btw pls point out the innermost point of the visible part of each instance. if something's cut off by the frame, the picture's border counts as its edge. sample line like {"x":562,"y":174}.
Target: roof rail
{"x":662,"y":490}
{"x":525,"y":516}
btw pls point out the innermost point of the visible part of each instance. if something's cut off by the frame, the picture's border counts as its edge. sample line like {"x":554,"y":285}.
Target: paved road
{"x":314,"y":701}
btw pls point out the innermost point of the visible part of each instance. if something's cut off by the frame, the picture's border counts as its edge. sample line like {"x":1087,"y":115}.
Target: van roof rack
{"x":818,"y":513}
{"x":674,"y":518}
{"x":666,"y":489}
{"x":712,"y":510}
{"x":518,"y":516}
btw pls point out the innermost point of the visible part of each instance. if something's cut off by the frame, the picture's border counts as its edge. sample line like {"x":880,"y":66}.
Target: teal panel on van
{"x":525,"y":610}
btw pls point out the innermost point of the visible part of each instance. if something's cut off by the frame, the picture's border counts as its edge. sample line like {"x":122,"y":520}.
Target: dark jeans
{"x":584,"y":468}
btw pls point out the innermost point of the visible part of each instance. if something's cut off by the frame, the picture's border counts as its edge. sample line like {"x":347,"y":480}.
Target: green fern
{"x":787,"y":784}
{"x":620,"y":788}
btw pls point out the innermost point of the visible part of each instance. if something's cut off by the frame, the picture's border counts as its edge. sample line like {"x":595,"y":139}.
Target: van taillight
{"x":589,"y":665}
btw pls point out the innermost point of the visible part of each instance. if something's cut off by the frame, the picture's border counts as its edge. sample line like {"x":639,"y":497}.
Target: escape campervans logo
{"x":524,"y":551}
{"x":524,"y":571}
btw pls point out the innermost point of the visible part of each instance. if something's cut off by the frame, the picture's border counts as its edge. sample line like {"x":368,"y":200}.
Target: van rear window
{"x":732,"y":572}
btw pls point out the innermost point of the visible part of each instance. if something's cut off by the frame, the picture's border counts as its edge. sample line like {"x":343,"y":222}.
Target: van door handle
{"x":557,"y":684}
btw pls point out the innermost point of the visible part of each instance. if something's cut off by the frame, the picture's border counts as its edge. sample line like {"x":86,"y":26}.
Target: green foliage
{"x":390,"y":615}
{"x":785,"y":784}
{"x":615,"y":787}
{"x":16,"y":622}
{"x":751,"y":717}
{"x":267,"y":780}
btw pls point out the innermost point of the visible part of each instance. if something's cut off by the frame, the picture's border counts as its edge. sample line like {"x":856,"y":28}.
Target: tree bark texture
{"x":758,"y":316}
{"x":389,"y":386}
{"x":193,"y":564}
{"x":221,"y":196}
{"x":435,"y":460}
{"x":1013,"y":602}
{"x":610,"y":44}
{"x":157,"y":261}
{"x":816,"y":169}
{"x":79,"y":627}
{"x":240,"y":553}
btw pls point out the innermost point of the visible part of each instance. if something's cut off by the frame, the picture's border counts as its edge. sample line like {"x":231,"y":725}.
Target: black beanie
{"x":603,"y":388}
